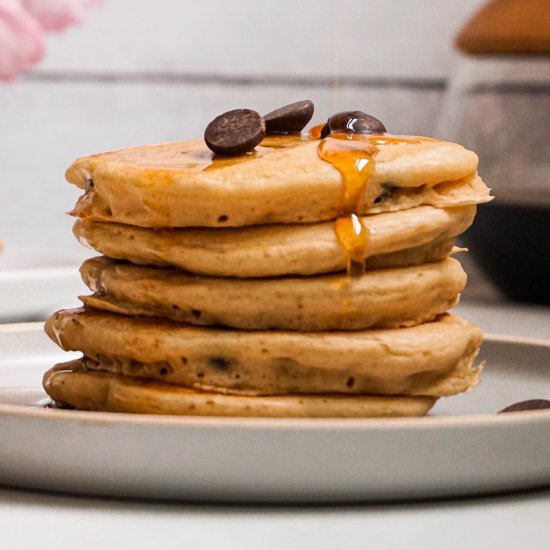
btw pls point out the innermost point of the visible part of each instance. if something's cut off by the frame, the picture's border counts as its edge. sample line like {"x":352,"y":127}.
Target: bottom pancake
{"x":73,"y":384}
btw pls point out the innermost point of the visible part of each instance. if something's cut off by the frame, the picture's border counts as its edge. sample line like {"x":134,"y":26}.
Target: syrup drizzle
{"x":353,"y":156}
{"x":315,"y":131}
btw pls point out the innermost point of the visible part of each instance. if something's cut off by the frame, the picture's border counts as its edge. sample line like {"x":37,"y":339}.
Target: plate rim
{"x":480,"y":420}
{"x":37,"y":272}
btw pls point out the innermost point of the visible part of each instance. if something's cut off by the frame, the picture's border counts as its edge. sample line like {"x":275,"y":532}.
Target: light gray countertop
{"x":513,"y":319}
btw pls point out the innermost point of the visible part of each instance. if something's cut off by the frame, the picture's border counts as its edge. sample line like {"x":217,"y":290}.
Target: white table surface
{"x":515,"y":521}
{"x":30,"y":520}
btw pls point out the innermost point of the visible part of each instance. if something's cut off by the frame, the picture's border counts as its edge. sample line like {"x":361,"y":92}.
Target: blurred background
{"x":138,"y":71}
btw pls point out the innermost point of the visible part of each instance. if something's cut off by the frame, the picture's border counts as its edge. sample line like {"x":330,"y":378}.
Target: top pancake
{"x":182,"y":184}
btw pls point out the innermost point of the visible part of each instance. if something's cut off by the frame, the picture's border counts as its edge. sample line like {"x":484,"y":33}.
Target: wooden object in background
{"x":508,"y":27}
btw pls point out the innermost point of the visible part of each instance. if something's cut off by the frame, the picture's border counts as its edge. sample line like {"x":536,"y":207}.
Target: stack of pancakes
{"x":229,"y":286}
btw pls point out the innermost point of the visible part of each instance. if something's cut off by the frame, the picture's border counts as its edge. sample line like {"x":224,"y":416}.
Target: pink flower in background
{"x":21,"y":39}
{"x":55,"y":15}
{"x":23,"y":24}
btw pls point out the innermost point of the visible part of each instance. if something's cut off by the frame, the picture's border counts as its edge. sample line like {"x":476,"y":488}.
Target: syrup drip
{"x":354,"y":237}
{"x":315,"y":131}
{"x":353,"y":156}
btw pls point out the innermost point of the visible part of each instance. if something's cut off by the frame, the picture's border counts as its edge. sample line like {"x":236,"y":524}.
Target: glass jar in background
{"x":499,"y":106}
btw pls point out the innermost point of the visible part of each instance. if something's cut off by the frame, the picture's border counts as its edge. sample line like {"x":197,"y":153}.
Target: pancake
{"x":181,"y":184}
{"x":384,"y":298}
{"x":99,"y":391}
{"x":428,"y":359}
{"x":423,"y":254}
{"x":273,"y":250}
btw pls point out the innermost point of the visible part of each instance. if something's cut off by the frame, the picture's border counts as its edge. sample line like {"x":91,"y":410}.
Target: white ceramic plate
{"x":36,"y":282}
{"x":462,"y":448}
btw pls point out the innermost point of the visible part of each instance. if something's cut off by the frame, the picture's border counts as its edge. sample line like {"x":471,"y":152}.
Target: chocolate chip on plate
{"x":290,"y":118}
{"x":353,"y":122}
{"x":529,"y":405}
{"x":235,"y":132}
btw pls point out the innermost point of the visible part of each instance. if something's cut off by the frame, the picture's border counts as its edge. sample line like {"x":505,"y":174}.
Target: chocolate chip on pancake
{"x":353,"y":122}
{"x":235,"y":132}
{"x":289,"y":119}
{"x":386,"y":191}
{"x":529,"y":405}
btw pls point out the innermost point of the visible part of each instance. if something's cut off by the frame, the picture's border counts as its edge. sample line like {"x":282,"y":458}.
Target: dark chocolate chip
{"x":386,"y":191}
{"x":290,"y":118}
{"x":220,"y":363}
{"x":235,"y":132}
{"x":530,"y":405}
{"x":325,"y":131}
{"x":353,"y":122}
{"x":57,"y":405}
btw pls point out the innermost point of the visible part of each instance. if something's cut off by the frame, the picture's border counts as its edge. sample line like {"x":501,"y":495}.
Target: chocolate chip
{"x":220,"y":363}
{"x":353,"y":122}
{"x":290,"y":118}
{"x":530,"y":405}
{"x":235,"y":132}
{"x":386,"y":191}
{"x":57,"y":405}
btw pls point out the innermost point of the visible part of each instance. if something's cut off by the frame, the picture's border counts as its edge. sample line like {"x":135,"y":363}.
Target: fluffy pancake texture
{"x":428,"y":359}
{"x":101,"y":391}
{"x":384,"y":297}
{"x":272,"y":250}
{"x":181,"y":184}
